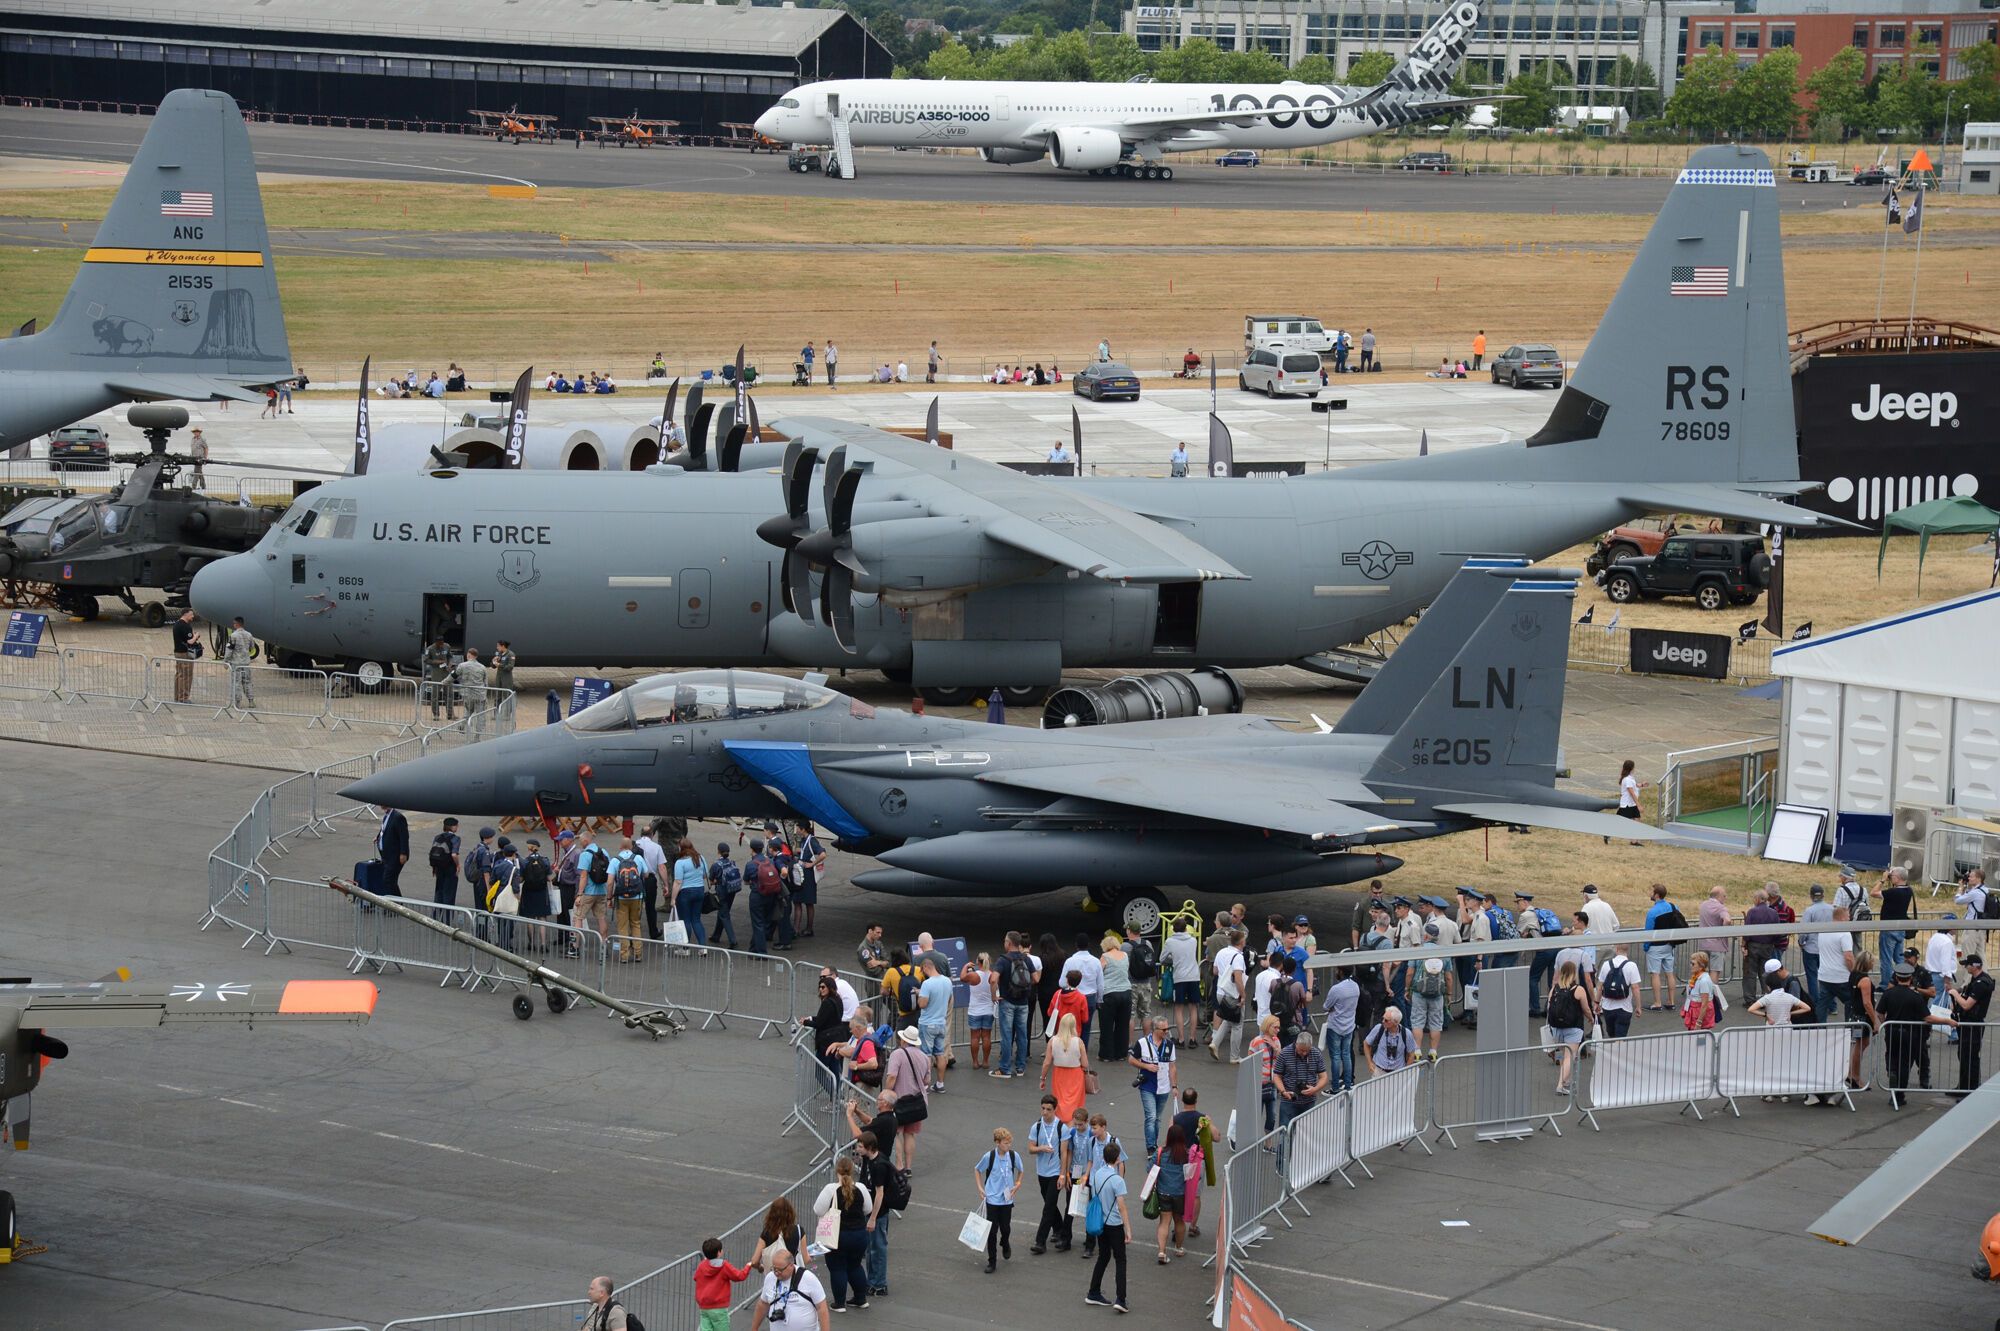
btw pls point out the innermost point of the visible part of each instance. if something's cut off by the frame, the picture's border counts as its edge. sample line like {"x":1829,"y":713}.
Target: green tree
{"x":1764,"y":99}
{"x":1370,"y":68}
{"x":1839,"y":88}
{"x":1700,"y":103}
{"x":1638,"y":87}
{"x":1534,"y":102}
{"x":1316,"y":69}
{"x":1908,"y":98}
{"x":953,"y":60}
{"x":1252,"y":67}
{"x":1115,"y":57}
{"x":1978,"y":93}
{"x":1197,"y":61}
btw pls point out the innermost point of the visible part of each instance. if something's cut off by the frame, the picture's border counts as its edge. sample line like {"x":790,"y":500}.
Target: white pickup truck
{"x":1285,"y":332}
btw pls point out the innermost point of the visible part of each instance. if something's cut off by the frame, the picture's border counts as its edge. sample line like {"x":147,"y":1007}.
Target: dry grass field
{"x":884,"y":303}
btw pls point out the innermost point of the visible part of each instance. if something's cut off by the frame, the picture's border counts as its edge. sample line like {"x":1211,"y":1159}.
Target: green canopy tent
{"x":1957,"y":515}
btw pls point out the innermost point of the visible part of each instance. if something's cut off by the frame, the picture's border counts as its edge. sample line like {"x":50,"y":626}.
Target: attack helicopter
{"x":153,"y":531}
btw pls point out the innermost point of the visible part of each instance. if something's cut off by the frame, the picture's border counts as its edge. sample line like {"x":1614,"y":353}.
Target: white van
{"x":1285,"y":332}
{"x":1271,"y":372}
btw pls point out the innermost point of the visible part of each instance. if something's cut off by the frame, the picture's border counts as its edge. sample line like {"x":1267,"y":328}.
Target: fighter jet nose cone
{"x":450,"y":780}
{"x":234,"y":586}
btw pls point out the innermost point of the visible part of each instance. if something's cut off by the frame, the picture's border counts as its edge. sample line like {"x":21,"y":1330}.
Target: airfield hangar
{"x":703,"y":64}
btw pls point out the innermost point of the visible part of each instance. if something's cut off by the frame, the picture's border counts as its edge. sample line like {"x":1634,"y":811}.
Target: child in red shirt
{"x":713,"y":1276}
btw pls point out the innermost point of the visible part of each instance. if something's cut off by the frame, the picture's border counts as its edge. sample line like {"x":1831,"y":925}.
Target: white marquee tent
{"x":1903,"y":712}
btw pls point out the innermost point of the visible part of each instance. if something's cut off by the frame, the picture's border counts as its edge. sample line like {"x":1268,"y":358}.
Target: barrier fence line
{"x":1498,"y":1093}
{"x":1677,"y":1067}
{"x":1256,"y":1190}
{"x":1786,"y":1060}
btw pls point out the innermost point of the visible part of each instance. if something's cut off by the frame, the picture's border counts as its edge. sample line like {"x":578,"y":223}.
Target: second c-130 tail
{"x":176,"y":297}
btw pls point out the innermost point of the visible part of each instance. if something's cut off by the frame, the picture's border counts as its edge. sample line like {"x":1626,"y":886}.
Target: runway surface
{"x":447,"y":1156}
{"x":914,"y":177}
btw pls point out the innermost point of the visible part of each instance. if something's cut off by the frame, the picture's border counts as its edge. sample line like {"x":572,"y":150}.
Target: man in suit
{"x":392,"y":845}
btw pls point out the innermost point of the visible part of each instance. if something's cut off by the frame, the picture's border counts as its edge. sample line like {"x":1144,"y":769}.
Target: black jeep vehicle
{"x":1717,"y":569}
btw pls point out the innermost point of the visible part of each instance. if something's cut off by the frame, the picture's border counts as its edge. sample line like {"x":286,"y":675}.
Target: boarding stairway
{"x":840,"y":162}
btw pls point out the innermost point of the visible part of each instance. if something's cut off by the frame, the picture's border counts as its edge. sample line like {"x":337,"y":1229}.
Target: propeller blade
{"x":723,"y":422}
{"x":732,"y":447}
{"x":840,"y":513}
{"x":837,"y":596}
{"x":799,"y":587}
{"x":1076,"y":432}
{"x":19,"y":1112}
{"x":693,"y":406}
{"x":756,"y":426}
{"x":667,"y":416}
{"x":698,"y":432}
{"x":825,"y":600}
{"x":799,"y":461}
{"x":931,"y":424}
{"x":443,"y":458}
{"x":836,"y":464}
{"x":739,"y":362}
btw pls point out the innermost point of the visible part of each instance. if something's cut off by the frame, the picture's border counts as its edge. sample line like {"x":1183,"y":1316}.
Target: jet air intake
{"x":1083,"y":149}
{"x":1207,"y":690}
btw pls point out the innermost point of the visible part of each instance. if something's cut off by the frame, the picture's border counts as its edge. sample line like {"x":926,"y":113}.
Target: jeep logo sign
{"x":1657,"y":652}
{"x":1936,"y":408}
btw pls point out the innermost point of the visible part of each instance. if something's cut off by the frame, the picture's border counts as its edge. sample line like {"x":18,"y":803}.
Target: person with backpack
{"x":792,"y":1295}
{"x":444,"y":853}
{"x":568,"y":881}
{"x":626,"y":873}
{"x":779,"y":852}
{"x":1530,"y":922}
{"x":725,"y":880}
{"x":1569,"y":1018}
{"x":1171,"y":1158}
{"x":1704,"y":1004}
{"x":1617,"y":992}
{"x":593,"y":894}
{"x":900,"y":988}
{"x":846,"y":1257}
{"x":474,"y":867}
{"x":1430,"y":986}
{"x":998,"y":1177}
{"x":1662,"y":914}
{"x":1108,"y":1219}
{"x":538,"y":895}
{"x":606,"y":1312}
{"x":1045,"y":1144}
{"x":888,"y":1189}
{"x":1155,"y":1056}
{"x":1015,"y":980}
{"x":767,"y":898}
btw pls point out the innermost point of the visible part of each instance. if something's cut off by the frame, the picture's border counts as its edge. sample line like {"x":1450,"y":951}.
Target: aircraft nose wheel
{"x":1141,"y":910}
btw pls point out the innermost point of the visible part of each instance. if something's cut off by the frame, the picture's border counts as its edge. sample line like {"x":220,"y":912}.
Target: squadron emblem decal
{"x":517,"y":570}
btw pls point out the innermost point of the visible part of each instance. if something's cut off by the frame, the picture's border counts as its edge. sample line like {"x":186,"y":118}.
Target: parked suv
{"x":1271,"y":372}
{"x":79,"y":448}
{"x":1718,"y":570}
{"x":1642,"y":536}
{"x":1527,"y":363}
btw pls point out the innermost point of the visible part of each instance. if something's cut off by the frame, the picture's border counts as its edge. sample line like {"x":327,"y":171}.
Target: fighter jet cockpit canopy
{"x":61,"y":521}
{"x":709,"y":695}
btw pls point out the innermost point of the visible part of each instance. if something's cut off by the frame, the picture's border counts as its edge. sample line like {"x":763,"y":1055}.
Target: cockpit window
{"x":33,"y":518}
{"x":73,"y":525}
{"x":331,"y":519}
{"x":789,"y":103}
{"x":707,"y":695}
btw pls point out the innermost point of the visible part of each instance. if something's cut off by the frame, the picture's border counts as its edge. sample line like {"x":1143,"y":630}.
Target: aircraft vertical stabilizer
{"x":177,"y":296}
{"x":1431,"y":646}
{"x":1492,"y":719}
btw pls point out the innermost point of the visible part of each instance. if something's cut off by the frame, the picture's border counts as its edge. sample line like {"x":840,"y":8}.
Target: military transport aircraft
{"x":176,"y":298}
{"x":958,"y":575}
{"x":1121,"y":129}
{"x":29,"y":1011}
{"x":1463,"y":732}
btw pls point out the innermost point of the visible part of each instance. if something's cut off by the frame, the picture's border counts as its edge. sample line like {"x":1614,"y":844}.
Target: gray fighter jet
{"x":880,"y":552}
{"x":1462,"y":731}
{"x":176,"y":298}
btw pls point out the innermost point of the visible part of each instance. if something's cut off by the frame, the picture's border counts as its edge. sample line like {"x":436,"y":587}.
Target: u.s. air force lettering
{"x":462,"y":533}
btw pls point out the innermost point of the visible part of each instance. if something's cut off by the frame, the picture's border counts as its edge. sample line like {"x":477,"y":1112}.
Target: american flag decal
{"x":186,"y":203}
{"x":1686,"y":279}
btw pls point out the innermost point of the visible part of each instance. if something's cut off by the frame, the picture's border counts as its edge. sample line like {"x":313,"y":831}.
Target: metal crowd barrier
{"x":1785,"y":1060}
{"x":1498,"y":1093}
{"x":107,"y":676}
{"x":1674,"y":1067}
{"x":1255,"y":1189}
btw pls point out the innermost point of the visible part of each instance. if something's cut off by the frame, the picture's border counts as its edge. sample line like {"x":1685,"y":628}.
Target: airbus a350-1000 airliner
{"x":1119,"y":128}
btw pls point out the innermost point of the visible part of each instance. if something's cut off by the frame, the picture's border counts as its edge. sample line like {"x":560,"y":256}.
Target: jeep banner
{"x":1657,"y":652}
{"x":1882,"y":432}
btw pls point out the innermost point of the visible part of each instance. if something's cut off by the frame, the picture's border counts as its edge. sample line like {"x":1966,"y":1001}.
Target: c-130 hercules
{"x":958,"y":575}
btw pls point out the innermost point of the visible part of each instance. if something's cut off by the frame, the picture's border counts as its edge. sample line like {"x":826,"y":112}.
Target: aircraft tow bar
{"x":554,"y":984}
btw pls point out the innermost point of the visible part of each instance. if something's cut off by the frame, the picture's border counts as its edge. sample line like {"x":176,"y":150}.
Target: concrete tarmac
{"x":447,"y":1156}
{"x":912,"y":176}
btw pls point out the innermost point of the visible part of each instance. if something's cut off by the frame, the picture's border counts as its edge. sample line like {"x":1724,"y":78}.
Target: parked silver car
{"x":1528,"y":363}
{"x":1271,"y":372}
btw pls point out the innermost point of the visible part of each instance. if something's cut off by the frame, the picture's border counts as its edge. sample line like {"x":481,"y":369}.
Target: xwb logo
{"x":1933,"y":407}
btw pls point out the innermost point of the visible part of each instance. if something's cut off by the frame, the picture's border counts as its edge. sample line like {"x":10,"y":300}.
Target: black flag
{"x":1774,"y":595}
{"x":1588,"y":616}
{"x":361,"y":424}
{"x":742,"y":388}
{"x":1802,"y":632}
{"x":1221,"y":447}
{"x":931,"y":424}
{"x":1746,"y":630}
{"x":516,"y":449}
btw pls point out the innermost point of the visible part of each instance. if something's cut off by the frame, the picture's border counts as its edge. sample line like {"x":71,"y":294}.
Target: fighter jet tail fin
{"x":1491,"y":719}
{"x":178,"y":284}
{"x":1430,"y":647}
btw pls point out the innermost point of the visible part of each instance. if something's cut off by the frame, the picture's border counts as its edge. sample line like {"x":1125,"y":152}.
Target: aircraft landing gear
{"x":80,"y":604}
{"x":1139,"y":908}
{"x":1138,"y":171}
{"x":1014,"y":695}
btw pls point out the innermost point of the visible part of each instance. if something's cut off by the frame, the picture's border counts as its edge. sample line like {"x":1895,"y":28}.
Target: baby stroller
{"x":801,"y":376}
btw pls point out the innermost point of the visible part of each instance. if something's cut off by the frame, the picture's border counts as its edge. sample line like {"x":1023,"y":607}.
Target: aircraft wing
{"x":1558,"y":820}
{"x":74,"y":1006}
{"x":1915,"y":1163}
{"x":1040,"y":516}
{"x":1236,"y":793}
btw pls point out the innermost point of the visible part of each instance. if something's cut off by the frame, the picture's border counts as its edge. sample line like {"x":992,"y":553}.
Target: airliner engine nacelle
{"x":1087,"y":149}
{"x":1011,"y":156}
